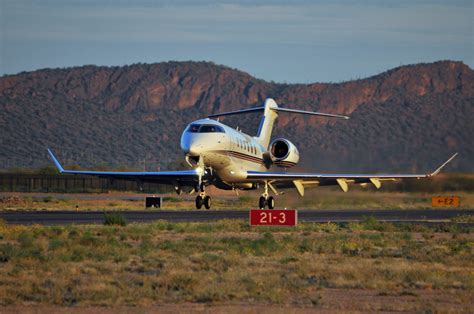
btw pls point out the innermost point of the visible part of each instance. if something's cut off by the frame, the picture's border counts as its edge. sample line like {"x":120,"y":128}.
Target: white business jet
{"x":232,"y":160}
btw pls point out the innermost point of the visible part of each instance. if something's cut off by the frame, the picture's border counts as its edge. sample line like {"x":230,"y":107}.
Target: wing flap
{"x":299,"y":187}
{"x":343,"y":184}
{"x":376,"y":182}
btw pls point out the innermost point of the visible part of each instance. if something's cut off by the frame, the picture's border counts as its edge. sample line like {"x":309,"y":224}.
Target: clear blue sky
{"x":283,"y":41}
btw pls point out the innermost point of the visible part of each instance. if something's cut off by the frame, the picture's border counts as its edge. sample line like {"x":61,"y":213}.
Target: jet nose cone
{"x":191,"y":148}
{"x":186,"y":142}
{"x":195,"y":149}
{"x":192,"y":144}
{"x":185,"y":147}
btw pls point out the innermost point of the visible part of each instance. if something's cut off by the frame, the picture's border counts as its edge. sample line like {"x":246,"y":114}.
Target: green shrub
{"x":371,"y":223}
{"x":114,"y":219}
{"x":55,"y":244}
{"x":88,"y":239}
{"x":25,"y":240}
{"x":288,"y":259}
{"x":6,"y":252}
{"x":265,"y":244}
{"x":48,"y":199}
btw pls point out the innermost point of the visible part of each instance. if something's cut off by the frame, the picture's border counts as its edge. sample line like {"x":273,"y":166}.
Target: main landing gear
{"x":202,"y":198}
{"x":266,"y":200}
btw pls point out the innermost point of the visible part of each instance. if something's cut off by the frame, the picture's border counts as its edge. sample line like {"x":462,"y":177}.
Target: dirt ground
{"x":331,"y":301}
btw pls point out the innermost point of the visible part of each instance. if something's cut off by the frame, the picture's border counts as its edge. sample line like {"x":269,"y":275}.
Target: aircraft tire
{"x":207,"y":202}
{"x":271,"y":202}
{"x":199,"y":202}
{"x":261,"y":202}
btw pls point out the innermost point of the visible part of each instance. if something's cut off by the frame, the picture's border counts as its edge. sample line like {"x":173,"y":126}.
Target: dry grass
{"x":228,"y":262}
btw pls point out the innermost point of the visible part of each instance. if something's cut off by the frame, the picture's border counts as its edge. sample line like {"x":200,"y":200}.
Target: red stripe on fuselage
{"x":253,"y":159}
{"x":240,"y":156}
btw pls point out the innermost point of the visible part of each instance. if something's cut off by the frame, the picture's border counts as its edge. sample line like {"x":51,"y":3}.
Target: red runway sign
{"x":273,"y":217}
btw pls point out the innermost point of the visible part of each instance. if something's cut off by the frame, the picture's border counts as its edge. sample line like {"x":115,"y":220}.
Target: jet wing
{"x":177,"y":178}
{"x":300,"y":180}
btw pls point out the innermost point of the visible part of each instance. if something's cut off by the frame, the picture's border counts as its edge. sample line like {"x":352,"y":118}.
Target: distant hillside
{"x":410,"y":118}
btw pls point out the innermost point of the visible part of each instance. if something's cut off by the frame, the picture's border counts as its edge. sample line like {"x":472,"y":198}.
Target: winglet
{"x":442,"y":166}
{"x":56,"y":162}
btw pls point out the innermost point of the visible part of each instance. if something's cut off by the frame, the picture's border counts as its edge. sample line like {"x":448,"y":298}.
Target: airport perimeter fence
{"x":27,"y":182}
{"x":14,"y":182}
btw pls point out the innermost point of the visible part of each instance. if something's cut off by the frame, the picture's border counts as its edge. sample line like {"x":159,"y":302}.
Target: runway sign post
{"x":153,"y":201}
{"x":273,"y":217}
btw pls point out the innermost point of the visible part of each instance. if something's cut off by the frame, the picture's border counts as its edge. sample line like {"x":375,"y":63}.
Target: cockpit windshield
{"x":211,"y":129}
{"x":205,"y":128}
{"x":193,"y":128}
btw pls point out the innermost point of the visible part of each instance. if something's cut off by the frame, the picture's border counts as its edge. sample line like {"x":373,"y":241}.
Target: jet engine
{"x":283,"y":153}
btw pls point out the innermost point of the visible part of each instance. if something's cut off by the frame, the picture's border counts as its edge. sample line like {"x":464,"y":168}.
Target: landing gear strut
{"x":202,"y":198}
{"x":266,"y":200}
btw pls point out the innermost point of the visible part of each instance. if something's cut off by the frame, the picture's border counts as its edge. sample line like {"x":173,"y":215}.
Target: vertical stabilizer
{"x":266,"y":124}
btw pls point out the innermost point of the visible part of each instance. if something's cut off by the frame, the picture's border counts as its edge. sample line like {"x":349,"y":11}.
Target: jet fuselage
{"x":227,"y":152}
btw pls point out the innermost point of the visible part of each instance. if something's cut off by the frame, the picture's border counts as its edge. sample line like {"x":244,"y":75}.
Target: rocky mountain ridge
{"x":409,"y":118}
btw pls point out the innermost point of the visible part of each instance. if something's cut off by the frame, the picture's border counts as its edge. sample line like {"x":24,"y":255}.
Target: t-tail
{"x":270,"y":114}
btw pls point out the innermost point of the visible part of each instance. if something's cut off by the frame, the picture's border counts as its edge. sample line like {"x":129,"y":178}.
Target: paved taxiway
{"x":90,"y":217}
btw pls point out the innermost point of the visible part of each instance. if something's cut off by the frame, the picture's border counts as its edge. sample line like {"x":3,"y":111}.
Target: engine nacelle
{"x":284,"y":153}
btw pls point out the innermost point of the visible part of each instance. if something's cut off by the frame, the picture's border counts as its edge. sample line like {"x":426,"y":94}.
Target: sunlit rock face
{"x":410,"y":117}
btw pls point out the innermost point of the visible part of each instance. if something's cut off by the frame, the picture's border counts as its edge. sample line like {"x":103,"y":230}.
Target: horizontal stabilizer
{"x":313,"y":113}
{"x":236,"y":112}
{"x":277,"y":110}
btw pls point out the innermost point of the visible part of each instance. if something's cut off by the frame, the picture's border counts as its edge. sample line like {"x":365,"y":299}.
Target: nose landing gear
{"x":202,"y":198}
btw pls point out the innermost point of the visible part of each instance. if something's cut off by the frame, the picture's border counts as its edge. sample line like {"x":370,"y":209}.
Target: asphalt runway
{"x":346,"y":215}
